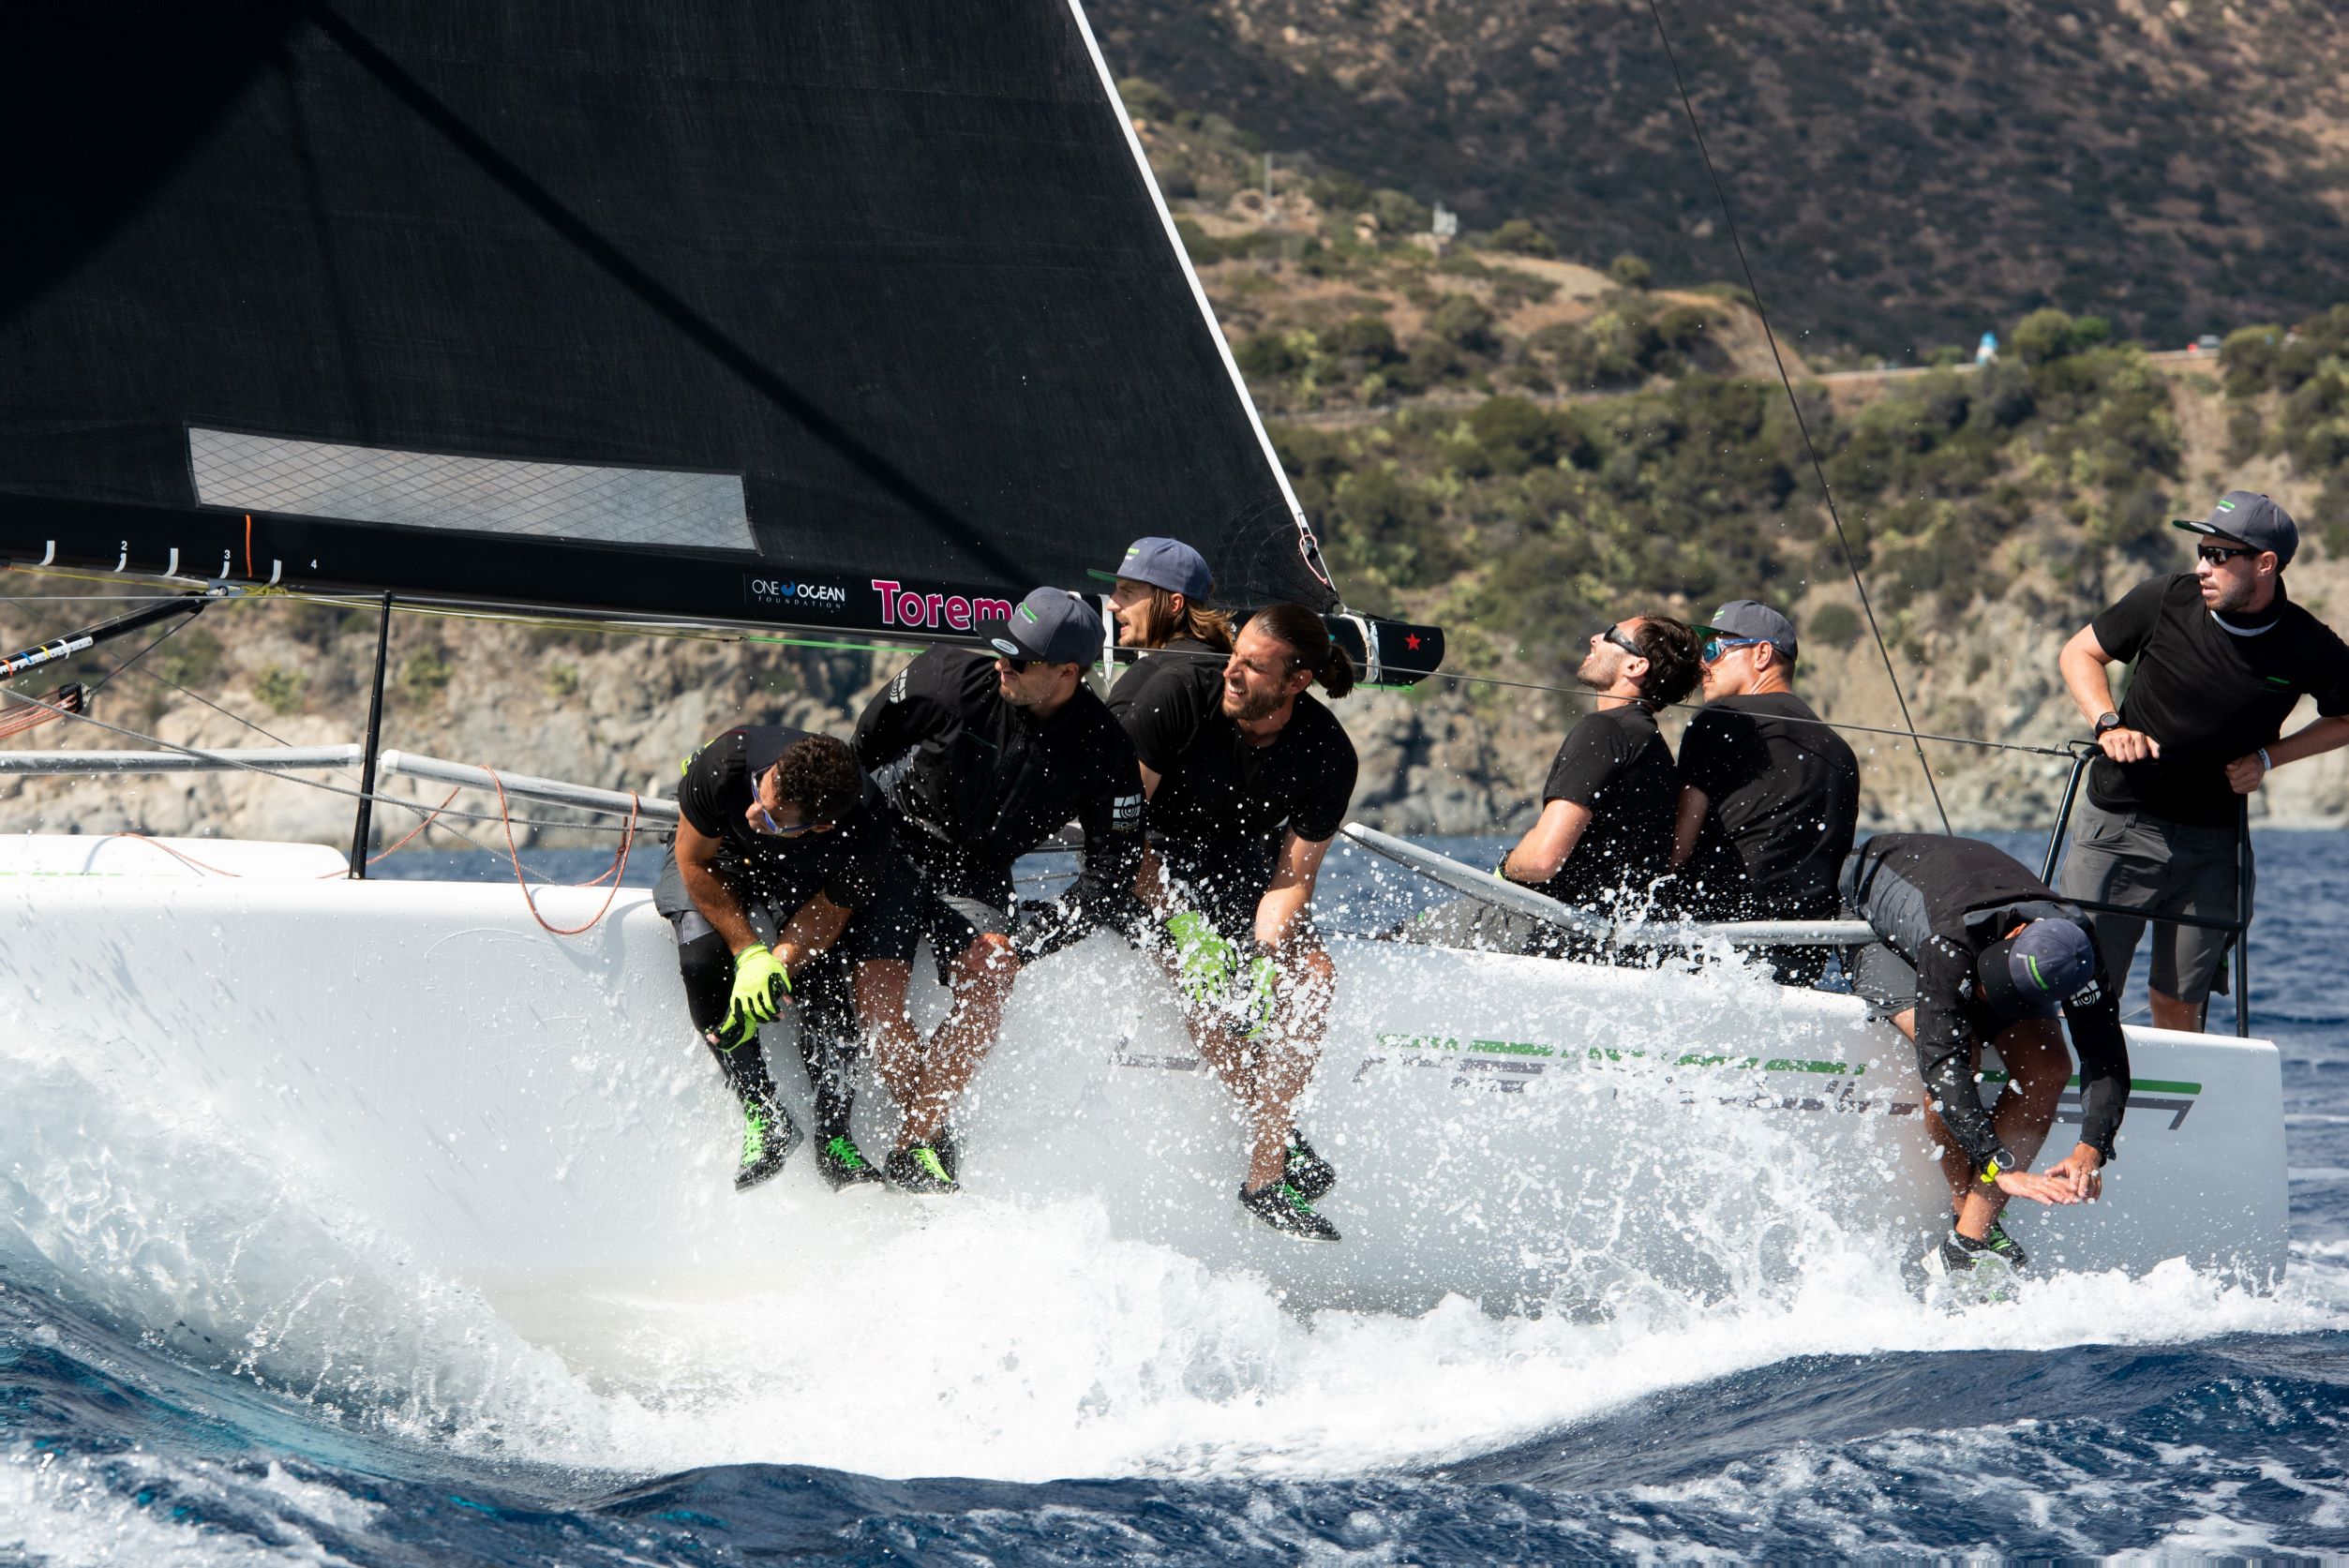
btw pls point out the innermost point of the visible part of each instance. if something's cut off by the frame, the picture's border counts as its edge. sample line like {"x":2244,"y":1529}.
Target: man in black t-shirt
{"x":1605,"y":836}
{"x":778,"y":826}
{"x":981,"y":757}
{"x":1248,"y":779}
{"x":1769,"y":796}
{"x":2222,"y":656}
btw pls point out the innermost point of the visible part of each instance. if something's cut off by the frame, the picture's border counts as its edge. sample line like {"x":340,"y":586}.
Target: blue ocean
{"x":2175,"y":1414}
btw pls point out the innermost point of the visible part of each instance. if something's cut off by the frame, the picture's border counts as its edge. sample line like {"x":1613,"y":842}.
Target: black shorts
{"x":953,"y":905}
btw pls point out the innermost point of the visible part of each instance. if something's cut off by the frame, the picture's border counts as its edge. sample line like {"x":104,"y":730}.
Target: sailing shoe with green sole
{"x":841,"y":1163}
{"x":1288,"y":1210}
{"x":950,"y":1149}
{"x":919,"y":1169}
{"x":1307,"y":1172}
{"x":1997,"y":1239}
{"x":769,"y":1136}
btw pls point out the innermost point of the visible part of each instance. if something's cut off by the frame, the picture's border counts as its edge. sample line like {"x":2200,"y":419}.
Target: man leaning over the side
{"x":2222,"y":657}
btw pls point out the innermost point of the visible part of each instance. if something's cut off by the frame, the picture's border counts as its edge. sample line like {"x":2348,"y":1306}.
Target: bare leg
{"x":2038,"y":1068}
{"x":2171,"y":1014}
{"x":896,"y":1048}
{"x":1285,"y":1062}
{"x":982,"y":981}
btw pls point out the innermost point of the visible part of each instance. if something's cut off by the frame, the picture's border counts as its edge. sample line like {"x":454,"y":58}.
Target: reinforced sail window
{"x":469,"y":494}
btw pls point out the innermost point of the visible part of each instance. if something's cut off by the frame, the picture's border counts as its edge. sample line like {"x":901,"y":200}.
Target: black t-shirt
{"x":2209,"y":691}
{"x":1615,"y":762}
{"x":1223,"y":803}
{"x":1781,"y":794}
{"x":975,"y":782}
{"x":844,"y":865}
{"x":1179,"y":652}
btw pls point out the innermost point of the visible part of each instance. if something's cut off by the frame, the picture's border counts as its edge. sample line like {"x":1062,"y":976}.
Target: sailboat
{"x":868,"y":317}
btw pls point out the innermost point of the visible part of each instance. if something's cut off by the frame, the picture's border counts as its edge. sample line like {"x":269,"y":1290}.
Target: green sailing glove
{"x":760,"y":984}
{"x":1202,"y":960}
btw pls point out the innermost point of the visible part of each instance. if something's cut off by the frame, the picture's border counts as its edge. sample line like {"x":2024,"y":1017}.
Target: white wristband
{"x":2264,"y":765}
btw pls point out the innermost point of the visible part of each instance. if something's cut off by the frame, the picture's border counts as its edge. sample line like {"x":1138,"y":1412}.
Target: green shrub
{"x":279,"y":690}
{"x":424,"y":674}
{"x":1464,"y":321}
{"x":562,"y":680}
{"x":1629,"y":271}
{"x":1523,"y":238}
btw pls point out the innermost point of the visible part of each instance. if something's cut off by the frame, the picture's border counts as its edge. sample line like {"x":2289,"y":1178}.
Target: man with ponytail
{"x":1249,"y":778}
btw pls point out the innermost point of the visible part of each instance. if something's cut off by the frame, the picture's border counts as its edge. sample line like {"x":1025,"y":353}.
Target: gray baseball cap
{"x":1051,"y":624}
{"x":1167,"y":563}
{"x":2250,"y":518}
{"x":1751,"y":618}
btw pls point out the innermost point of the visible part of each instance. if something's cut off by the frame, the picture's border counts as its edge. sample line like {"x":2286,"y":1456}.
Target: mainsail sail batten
{"x":888,"y":266}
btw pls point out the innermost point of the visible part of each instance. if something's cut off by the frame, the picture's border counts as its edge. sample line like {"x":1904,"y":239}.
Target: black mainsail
{"x":856,"y":314}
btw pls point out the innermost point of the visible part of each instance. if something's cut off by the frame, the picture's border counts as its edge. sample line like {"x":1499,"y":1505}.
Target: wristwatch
{"x":2105,"y":722}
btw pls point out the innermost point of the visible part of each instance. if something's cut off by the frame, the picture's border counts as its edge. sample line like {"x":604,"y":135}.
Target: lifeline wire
{"x":1817,"y":470}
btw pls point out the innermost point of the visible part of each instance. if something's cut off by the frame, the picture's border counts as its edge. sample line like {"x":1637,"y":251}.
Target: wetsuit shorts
{"x":953,"y":905}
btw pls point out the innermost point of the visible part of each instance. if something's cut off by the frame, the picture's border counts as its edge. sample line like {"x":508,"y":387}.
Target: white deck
{"x":531,"y":1114}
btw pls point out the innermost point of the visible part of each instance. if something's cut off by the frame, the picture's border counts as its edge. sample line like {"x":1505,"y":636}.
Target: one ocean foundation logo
{"x":786,"y":593}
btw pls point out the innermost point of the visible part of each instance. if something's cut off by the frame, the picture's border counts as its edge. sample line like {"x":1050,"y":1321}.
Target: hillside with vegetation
{"x":1498,"y":433}
{"x":1904,"y":173}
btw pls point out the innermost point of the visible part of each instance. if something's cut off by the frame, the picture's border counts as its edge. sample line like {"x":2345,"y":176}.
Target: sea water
{"x":1053,"y":1394}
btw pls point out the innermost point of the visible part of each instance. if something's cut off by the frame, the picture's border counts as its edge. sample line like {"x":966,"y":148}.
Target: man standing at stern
{"x":982,"y":757}
{"x":1972,"y":947}
{"x":2222,"y":657}
{"x":1769,"y":796}
{"x":1249,"y":778}
{"x":778,"y":823}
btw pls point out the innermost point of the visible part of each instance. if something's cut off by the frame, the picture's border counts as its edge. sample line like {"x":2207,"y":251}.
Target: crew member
{"x":1604,"y":835}
{"x":981,"y":757}
{"x":2221,"y":655}
{"x":1769,"y":796}
{"x":1161,"y":602}
{"x":1249,"y":778}
{"x":778,"y":826}
{"x":1971,"y":947}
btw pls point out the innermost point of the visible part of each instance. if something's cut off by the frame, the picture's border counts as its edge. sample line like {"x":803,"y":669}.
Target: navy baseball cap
{"x":2032,"y":972}
{"x":1167,"y":563}
{"x":1049,"y":624}
{"x":1751,"y":618}
{"x":2250,"y":519}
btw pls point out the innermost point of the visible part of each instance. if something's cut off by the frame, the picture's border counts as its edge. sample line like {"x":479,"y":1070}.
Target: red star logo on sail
{"x":1411,"y":640}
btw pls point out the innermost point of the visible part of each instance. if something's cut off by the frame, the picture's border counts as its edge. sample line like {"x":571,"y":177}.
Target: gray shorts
{"x":2162,"y":867}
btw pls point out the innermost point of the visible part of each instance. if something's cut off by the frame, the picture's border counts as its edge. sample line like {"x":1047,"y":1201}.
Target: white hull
{"x":530,"y":1114}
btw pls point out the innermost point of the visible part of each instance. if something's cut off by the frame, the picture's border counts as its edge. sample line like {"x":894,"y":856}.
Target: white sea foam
{"x":984,"y":1337}
{"x":64,"y":1509}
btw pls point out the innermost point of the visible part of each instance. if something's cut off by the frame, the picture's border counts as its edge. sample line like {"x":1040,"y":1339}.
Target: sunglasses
{"x":2219,"y":555}
{"x":1712,"y":647}
{"x":1017,"y":666}
{"x":1615,"y":635}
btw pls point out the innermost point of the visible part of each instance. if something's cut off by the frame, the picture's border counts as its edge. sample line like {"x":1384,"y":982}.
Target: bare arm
{"x":2246,"y":772}
{"x":1291,"y":888}
{"x":1547,"y":844}
{"x":2081,"y":664}
{"x":696,"y":862}
{"x":1693,"y":806}
{"x":814,"y":928}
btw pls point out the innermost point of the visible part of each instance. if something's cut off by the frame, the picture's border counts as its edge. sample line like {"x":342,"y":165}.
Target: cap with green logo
{"x":2249,"y":519}
{"x":1049,"y":624}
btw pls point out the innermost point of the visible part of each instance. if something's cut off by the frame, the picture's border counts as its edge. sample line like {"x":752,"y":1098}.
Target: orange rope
{"x":176,"y":855}
{"x":619,"y":865}
{"x":419,"y":827}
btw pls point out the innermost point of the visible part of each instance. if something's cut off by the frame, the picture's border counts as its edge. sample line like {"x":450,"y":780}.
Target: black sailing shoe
{"x":1999,"y":1242}
{"x":920,"y":1170}
{"x":841,"y":1163}
{"x":1309,"y":1172}
{"x":769,"y":1136}
{"x":1288,"y":1210}
{"x":950,"y":1150}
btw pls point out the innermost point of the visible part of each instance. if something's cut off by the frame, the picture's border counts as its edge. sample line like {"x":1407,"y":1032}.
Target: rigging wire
{"x":1818,"y":468}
